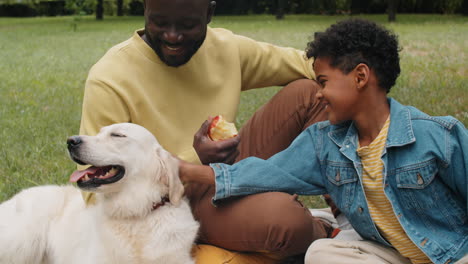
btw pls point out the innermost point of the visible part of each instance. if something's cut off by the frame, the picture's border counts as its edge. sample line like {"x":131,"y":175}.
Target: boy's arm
{"x":189,"y":172}
{"x":294,"y":170}
{"x":458,"y":147}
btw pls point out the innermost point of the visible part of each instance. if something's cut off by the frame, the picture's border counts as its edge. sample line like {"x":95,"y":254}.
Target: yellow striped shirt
{"x":380,"y":208}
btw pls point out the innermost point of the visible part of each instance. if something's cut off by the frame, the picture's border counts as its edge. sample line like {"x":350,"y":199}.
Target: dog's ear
{"x":171,"y":176}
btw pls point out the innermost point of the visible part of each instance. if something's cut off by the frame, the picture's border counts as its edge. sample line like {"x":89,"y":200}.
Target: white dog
{"x":140,"y":215}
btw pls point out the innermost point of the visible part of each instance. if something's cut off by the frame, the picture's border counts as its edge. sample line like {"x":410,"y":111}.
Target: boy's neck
{"x":372,"y":118}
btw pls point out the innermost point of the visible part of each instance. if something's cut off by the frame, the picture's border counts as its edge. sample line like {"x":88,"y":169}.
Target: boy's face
{"x":339,"y":91}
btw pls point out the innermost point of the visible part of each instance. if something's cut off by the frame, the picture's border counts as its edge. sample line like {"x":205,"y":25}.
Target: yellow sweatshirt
{"x":131,"y":84}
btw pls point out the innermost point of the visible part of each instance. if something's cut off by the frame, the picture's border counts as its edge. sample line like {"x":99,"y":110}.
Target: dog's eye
{"x":117,"y":135}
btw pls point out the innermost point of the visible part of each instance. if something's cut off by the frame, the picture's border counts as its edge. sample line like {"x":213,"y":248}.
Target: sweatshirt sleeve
{"x":294,"y":170}
{"x":102,"y":106}
{"x":264,"y":64}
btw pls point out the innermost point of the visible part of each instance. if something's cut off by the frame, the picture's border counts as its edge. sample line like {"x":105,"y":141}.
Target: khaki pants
{"x":348,"y":252}
{"x":267,"y":222}
{"x":355,"y":252}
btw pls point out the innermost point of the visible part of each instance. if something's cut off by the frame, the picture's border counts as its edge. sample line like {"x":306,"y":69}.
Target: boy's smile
{"x":339,"y":92}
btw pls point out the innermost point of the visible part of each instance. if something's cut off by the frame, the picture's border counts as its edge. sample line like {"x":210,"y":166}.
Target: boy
{"x":398,"y":175}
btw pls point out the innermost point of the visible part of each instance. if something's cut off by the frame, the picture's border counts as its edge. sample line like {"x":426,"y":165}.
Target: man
{"x":175,"y":73}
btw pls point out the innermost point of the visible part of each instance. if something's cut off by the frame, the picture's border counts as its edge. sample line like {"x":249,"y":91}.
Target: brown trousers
{"x":273,"y":222}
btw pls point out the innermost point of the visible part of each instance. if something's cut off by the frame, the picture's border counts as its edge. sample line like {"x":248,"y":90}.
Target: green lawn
{"x":44,"y":63}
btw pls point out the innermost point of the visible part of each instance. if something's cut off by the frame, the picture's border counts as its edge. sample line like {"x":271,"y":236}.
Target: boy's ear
{"x":362,"y":72}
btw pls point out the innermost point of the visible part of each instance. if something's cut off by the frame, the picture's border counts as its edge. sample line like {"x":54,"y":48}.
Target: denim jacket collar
{"x":400,"y":132}
{"x":401,"y":128}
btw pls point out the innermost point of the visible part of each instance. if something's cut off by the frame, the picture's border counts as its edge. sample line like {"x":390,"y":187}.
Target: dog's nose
{"x":73,"y":142}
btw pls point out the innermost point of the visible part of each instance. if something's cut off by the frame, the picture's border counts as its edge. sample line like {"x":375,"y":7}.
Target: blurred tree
{"x":280,"y":9}
{"x":100,"y":10}
{"x":448,"y":6}
{"x":78,"y":7}
{"x":392,"y":9}
{"x":464,"y":8}
{"x":324,"y":7}
{"x":135,"y":8}
{"x":359,"y":6}
{"x":120,"y":8}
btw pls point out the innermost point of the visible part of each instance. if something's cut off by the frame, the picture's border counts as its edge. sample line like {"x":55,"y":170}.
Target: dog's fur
{"x":52,"y":224}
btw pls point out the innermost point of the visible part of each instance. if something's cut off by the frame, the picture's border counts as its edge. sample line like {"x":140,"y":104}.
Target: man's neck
{"x":144,"y":38}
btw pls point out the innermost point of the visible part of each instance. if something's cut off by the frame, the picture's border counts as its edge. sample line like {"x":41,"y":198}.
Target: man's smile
{"x":172,"y":50}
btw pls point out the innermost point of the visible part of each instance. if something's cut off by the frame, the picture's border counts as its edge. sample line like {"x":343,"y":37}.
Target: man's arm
{"x":102,"y":106}
{"x":264,"y":64}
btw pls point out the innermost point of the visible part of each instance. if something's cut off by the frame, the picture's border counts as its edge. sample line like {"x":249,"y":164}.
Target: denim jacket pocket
{"x":342,"y":178}
{"x":422,"y":192}
{"x":417,"y":176}
{"x":416,"y":182}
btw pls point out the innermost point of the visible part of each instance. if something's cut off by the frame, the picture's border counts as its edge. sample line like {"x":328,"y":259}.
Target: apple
{"x":221,"y":129}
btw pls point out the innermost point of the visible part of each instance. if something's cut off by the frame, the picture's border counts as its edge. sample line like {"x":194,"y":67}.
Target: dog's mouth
{"x":93,"y":177}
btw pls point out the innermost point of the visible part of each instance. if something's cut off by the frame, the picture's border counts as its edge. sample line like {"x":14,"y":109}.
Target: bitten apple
{"x":221,"y":129}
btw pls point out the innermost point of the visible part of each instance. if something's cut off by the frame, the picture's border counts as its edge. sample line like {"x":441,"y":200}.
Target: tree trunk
{"x":359,"y":6}
{"x":392,"y":10}
{"x":465,"y":8}
{"x":119,"y":7}
{"x":280,"y":9}
{"x":100,"y":10}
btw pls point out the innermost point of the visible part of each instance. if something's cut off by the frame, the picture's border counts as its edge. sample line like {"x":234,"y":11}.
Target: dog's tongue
{"x":81,"y":173}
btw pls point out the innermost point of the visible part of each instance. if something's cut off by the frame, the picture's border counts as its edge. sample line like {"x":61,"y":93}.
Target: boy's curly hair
{"x":353,"y":41}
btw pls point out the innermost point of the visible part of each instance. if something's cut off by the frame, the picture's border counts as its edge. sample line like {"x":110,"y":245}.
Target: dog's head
{"x":125,"y":156}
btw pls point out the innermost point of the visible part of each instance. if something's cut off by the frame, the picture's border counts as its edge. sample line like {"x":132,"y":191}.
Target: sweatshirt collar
{"x":149,"y":53}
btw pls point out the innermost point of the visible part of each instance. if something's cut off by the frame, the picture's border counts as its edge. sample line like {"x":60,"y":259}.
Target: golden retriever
{"x":140,"y":215}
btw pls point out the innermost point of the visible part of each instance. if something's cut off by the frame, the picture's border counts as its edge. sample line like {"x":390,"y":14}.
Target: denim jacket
{"x":425,"y":177}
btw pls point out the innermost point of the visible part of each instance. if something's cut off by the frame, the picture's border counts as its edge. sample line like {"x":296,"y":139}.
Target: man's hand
{"x":209,"y":151}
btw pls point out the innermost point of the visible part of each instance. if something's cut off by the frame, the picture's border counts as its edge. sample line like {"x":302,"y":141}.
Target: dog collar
{"x":163,"y":201}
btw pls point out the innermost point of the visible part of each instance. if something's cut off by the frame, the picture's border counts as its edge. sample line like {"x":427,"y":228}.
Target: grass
{"x":44,"y":64}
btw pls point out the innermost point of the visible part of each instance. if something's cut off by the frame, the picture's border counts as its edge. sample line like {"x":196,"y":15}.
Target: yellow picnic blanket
{"x":208,"y":254}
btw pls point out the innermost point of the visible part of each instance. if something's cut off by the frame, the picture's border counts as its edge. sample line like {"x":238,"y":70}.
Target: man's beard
{"x":190,"y":46}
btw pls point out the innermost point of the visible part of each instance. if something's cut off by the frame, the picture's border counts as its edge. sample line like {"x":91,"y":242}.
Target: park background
{"x":44,"y":61}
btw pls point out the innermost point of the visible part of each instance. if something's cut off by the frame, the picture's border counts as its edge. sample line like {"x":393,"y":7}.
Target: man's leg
{"x":276,"y":124}
{"x":272,"y":222}
{"x":268,"y":222}
{"x":352,"y":252}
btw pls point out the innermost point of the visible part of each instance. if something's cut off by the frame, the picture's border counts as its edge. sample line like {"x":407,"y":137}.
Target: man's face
{"x":175,"y":29}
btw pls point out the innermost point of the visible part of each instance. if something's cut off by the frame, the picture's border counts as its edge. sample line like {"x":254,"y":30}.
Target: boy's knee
{"x":318,"y":251}
{"x":291,"y":228}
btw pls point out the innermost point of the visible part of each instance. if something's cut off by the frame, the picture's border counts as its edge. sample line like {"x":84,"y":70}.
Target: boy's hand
{"x":209,"y":151}
{"x":190,"y":173}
